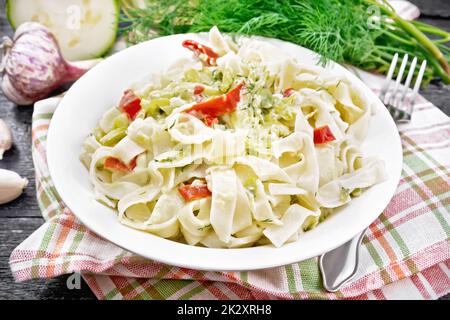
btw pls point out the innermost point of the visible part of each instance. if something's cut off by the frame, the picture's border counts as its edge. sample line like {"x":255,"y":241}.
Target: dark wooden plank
{"x":19,"y":157}
{"x":439,"y":95}
{"x":54,"y":289}
{"x":443,"y":23}
{"x":12,"y":232}
{"x":433,"y":8}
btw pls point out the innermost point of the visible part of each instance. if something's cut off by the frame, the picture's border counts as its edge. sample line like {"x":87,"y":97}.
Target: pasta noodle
{"x":239,"y":145}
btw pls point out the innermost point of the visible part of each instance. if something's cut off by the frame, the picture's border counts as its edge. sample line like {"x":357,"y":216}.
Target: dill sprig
{"x":336,"y":29}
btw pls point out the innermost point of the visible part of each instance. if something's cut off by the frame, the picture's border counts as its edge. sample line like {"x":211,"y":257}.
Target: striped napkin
{"x":405,"y":253}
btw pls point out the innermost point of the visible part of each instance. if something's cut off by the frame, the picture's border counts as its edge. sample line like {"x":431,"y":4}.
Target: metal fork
{"x":339,"y":266}
{"x":397,"y":101}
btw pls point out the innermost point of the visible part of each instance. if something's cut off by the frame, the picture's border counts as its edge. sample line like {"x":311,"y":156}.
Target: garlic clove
{"x":5,"y":138}
{"x":11,"y":185}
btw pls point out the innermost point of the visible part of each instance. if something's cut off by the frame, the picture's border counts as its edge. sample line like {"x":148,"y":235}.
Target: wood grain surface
{"x":18,"y":219}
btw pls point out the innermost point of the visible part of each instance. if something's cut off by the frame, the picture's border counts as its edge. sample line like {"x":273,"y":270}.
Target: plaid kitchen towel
{"x":405,"y":253}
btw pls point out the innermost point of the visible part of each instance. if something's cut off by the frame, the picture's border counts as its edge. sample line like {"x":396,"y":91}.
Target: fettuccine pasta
{"x":239,"y":145}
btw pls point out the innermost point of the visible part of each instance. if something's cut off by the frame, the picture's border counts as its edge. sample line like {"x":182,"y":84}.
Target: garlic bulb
{"x":5,"y":138}
{"x":34,"y":66}
{"x":11,"y":185}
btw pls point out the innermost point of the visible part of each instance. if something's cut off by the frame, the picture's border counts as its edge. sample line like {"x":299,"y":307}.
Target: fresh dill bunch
{"x":158,"y":18}
{"x":336,"y":29}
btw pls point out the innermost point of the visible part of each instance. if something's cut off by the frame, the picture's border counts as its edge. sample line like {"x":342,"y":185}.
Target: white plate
{"x":102,"y":87}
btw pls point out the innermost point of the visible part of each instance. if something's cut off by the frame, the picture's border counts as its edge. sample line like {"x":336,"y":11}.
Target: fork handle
{"x":339,"y":266}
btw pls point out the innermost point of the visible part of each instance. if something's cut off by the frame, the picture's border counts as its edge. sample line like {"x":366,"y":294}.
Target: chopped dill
{"x":204,"y":227}
{"x":172,"y":125}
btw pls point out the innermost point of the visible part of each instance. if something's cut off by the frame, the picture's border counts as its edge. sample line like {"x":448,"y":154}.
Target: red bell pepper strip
{"x":210,"y":121}
{"x":206,"y":54}
{"x":323,"y":135}
{"x":130,"y":104}
{"x":288,"y":92}
{"x":116,"y":164}
{"x":199,"y":89}
{"x":218,"y":106}
{"x":133,"y":163}
{"x":190,"y":192}
{"x":207,"y":120}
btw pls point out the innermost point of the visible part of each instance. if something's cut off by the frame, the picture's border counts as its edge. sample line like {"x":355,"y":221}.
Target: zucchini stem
{"x":399,"y":39}
{"x":431,"y":29}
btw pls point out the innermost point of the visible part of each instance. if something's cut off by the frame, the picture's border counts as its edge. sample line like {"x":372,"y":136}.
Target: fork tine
{"x":417,"y":85}
{"x":399,"y":77}
{"x":409,"y":78}
{"x":419,"y":79}
{"x":388,"y":78}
